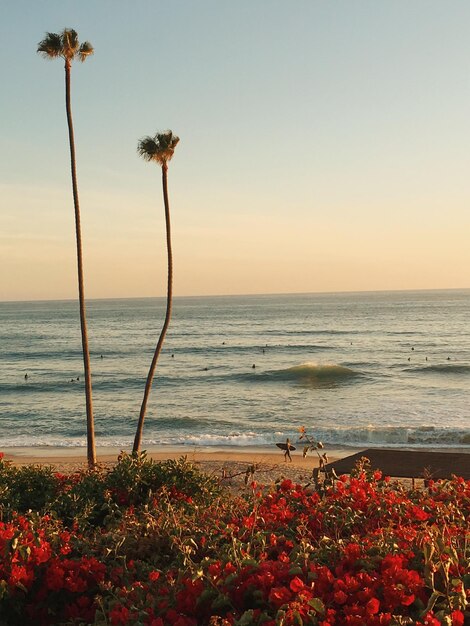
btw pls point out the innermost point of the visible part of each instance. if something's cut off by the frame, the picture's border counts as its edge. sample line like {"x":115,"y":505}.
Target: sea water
{"x":356,"y":369}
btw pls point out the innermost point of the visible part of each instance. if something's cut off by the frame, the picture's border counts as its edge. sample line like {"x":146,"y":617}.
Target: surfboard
{"x":284,"y":446}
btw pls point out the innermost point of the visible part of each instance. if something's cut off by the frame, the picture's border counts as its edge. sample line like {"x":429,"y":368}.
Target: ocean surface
{"x":356,"y":369}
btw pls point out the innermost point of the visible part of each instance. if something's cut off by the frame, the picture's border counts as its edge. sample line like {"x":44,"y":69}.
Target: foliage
{"x":159,"y":148}
{"x":175,"y":549}
{"x":64,"y":45}
{"x":312,"y":444}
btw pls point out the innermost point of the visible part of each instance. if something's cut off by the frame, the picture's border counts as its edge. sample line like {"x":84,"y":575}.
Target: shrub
{"x":176,"y":550}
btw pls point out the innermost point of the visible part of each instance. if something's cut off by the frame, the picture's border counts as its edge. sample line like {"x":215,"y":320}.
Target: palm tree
{"x":158,"y":149}
{"x":66,"y":46}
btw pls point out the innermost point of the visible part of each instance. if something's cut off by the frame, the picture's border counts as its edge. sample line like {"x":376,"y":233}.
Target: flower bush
{"x":161,"y":544}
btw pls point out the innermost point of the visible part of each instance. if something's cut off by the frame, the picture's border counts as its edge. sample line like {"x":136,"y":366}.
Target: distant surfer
{"x":253,"y":366}
{"x":26,"y":376}
{"x":287,"y":447}
{"x":287,"y":452}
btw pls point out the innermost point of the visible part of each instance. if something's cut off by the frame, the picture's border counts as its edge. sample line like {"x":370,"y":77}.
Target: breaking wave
{"x":311,"y":373}
{"x":420,"y":437}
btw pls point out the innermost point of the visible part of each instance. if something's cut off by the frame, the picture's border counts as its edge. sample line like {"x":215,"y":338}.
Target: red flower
{"x":430,"y":620}
{"x":20,"y":575}
{"x":458,"y":618}
{"x":372,"y":607}
{"x":296,"y":585}
{"x":119,"y":615}
{"x":279,"y":596}
{"x":340,"y":597}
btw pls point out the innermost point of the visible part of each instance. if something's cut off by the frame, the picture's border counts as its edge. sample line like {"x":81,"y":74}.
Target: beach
{"x":228,"y":465}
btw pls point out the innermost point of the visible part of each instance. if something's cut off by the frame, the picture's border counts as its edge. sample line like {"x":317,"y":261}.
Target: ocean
{"x":356,"y":369}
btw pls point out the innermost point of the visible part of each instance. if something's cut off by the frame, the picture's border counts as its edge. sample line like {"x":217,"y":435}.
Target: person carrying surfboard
{"x":287,"y":452}
{"x":287,"y":447}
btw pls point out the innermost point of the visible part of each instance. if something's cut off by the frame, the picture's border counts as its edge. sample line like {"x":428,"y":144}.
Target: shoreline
{"x":268,"y":455}
{"x":230,"y":464}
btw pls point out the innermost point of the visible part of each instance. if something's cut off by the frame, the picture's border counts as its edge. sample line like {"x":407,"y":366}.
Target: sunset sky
{"x":325,"y":146}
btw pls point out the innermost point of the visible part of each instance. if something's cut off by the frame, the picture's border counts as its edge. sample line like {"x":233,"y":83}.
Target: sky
{"x":324,"y":146}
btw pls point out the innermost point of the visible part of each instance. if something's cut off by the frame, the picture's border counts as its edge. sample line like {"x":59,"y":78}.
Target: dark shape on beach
{"x":286,"y":446}
{"x":408,"y":464}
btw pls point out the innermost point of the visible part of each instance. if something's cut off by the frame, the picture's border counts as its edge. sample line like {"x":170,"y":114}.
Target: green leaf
{"x":432,"y":601}
{"x":206,"y":596}
{"x":221,"y":602}
{"x":318,"y":605}
{"x":246,"y":619}
{"x":298,"y":621}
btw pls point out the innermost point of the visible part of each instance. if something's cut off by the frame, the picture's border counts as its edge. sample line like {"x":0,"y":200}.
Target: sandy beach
{"x":228,"y":464}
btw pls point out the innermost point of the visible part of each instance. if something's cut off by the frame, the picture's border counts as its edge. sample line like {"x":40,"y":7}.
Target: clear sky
{"x":325,"y":146}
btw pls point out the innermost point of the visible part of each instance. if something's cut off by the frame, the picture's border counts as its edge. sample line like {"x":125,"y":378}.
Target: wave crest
{"x":311,"y":374}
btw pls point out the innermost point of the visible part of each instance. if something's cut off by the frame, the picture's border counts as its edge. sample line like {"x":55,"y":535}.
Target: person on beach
{"x":287,"y":452}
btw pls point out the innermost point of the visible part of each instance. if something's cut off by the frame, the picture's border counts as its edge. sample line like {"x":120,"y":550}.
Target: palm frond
{"x":65,"y":45}
{"x":51,"y":46}
{"x":159,"y":148}
{"x":85,"y":50}
{"x":147,"y":148}
{"x":69,"y":43}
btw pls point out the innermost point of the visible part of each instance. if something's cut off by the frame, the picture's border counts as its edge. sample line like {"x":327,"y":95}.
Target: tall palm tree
{"x":158,"y":149}
{"x":66,"y":46}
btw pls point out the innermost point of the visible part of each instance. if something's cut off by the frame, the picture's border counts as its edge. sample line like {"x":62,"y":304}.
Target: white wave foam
{"x":369,"y":436}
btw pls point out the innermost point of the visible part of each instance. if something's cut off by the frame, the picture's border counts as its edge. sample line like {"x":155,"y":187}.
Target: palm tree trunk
{"x":91,"y":450}
{"x":169,"y":299}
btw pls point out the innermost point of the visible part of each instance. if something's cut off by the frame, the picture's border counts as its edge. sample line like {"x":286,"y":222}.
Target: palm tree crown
{"x":65,"y":45}
{"x":159,"y":148}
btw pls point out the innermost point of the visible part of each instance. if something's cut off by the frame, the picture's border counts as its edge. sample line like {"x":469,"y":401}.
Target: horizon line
{"x":243,"y":295}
